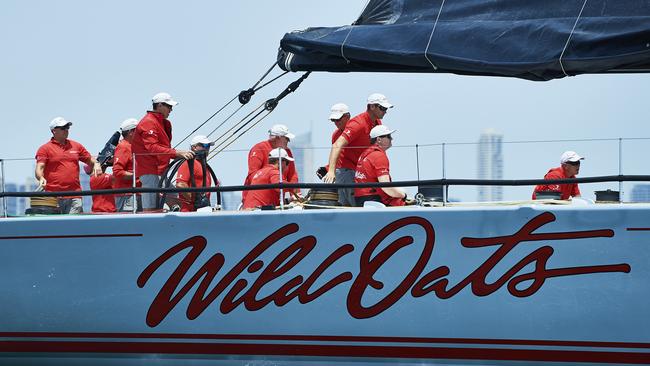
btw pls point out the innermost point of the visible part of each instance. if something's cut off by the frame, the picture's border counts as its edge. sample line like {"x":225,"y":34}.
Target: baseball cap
{"x":201,"y":139}
{"x":380,"y":130}
{"x":59,"y":122}
{"x":280,"y":153}
{"x":571,"y":156}
{"x":281,"y":130}
{"x":164,"y":98}
{"x":338,"y":110}
{"x":380,"y":99}
{"x":128,"y":124}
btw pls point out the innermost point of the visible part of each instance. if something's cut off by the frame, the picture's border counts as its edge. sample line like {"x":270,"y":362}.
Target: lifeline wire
{"x":206,"y":121}
{"x":569,"y":38}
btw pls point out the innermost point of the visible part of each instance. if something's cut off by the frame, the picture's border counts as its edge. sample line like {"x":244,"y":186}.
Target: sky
{"x":98,"y":63}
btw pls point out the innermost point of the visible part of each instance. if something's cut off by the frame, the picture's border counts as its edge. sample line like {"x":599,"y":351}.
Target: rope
{"x":243,"y":97}
{"x":206,"y":121}
{"x":426,"y":51}
{"x":569,"y":38}
{"x":342,"y":44}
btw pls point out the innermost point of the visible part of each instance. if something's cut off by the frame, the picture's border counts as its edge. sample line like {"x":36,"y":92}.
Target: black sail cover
{"x":529,"y":39}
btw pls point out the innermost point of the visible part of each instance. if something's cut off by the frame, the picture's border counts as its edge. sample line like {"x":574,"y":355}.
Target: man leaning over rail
{"x":373,"y":166}
{"x":152,"y":146}
{"x":354,"y":139}
{"x":269,"y":174}
{"x":57,"y":165}
{"x":569,"y":168}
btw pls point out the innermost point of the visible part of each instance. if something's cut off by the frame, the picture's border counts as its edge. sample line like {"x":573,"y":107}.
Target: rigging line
{"x":240,"y":135}
{"x":206,"y":121}
{"x":569,"y":38}
{"x":265,"y":75}
{"x":426,"y":51}
{"x":241,"y":124}
{"x":240,"y":107}
{"x":224,"y":121}
{"x":272,"y":80}
{"x":237,"y":124}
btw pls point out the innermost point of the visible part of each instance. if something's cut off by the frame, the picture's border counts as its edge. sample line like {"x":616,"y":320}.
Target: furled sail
{"x":530,"y":39}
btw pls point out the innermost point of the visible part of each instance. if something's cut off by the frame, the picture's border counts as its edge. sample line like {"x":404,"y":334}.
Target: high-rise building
{"x":640,"y":193}
{"x":303,"y":152}
{"x":490,"y":164}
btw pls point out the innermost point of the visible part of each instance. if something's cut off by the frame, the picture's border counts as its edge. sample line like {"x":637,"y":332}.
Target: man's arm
{"x":338,"y":146}
{"x":394,"y":192}
{"x":38,"y":174}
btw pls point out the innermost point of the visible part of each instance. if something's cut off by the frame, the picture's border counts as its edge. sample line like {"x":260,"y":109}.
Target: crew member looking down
{"x":339,"y":115}
{"x":373,"y":166}
{"x":57,"y":165}
{"x":352,"y":142}
{"x":200,"y":146}
{"x":269,"y":174}
{"x":569,"y":168}
{"x":123,"y":168}
{"x":279,"y":137}
{"x":152,"y":146}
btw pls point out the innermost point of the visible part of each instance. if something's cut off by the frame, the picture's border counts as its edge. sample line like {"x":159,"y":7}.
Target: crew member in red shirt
{"x":339,"y":115}
{"x":352,"y":142}
{"x":569,"y":168}
{"x":373,"y":166}
{"x":101,"y":202}
{"x":152,"y":146}
{"x":200,"y":145}
{"x":57,"y":165}
{"x":123,"y":168}
{"x":269,"y":174}
{"x":279,"y":137}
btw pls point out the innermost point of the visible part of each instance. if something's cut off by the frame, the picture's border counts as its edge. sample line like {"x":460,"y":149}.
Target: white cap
{"x":280,"y":153}
{"x":379,"y":99}
{"x":571,"y":156}
{"x":281,"y":130}
{"x":338,"y":110}
{"x":380,"y":130}
{"x":164,"y":98}
{"x":129,"y":124}
{"x":200,"y":139}
{"x":59,"y":122}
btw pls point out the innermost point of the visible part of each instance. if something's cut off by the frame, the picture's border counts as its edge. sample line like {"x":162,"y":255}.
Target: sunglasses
{"x":206,"y":146}
{"x":382,"y":108}
{"x":64,"y":128}
{"x":574,"y":163}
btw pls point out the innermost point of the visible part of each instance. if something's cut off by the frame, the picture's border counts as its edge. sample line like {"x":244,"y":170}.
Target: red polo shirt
{"x":183,"y":176}
{"x":357,"y":134}
{"x":123,"y":163}
{"x":373,"y":163}
{"x":152,"y":144}
{"x":264,"y":197}
{"x":62,"y":164}
{"x":103,"y":202}
{"x":566,"y":190}
{"x":258,"y":157}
